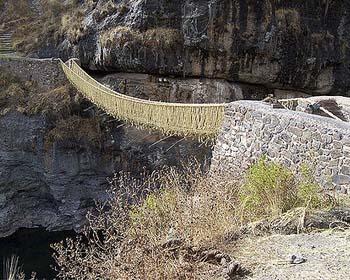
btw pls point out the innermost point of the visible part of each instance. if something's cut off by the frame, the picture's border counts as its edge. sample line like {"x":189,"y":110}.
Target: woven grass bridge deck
{"x":199,"y":120}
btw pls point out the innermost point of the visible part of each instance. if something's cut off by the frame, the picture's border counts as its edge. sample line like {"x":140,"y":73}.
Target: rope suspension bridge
{"x":182,"y":119}
{"x":200,"y":120}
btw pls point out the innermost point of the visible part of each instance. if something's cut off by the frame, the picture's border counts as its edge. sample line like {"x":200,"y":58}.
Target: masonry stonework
{"x":253,"y":129}
{"x":46,"y":72}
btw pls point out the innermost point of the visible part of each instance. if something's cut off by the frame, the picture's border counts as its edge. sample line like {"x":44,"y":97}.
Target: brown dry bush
{"x":16,"y":10}
{"x":153,"y":39}
{"x":75,"y":128}
{"x":59,"y":19}
{"x":14,"y":96}
{"x":27,"y":98}
{"x":7,"y":79}
{"x":72,"y":25}
{"x":55,"y":103}
{"x":107,"y":9}
{"x":119,"y":36}
{"x":143,"y":216}
{"x":159,"y":226}
{"x":168,"y":38}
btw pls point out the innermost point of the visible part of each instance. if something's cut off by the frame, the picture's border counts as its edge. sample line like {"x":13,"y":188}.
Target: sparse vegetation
{"x":58,"y":19}
{"x":289,"y":19}
{"x":75,"y":129}
{"x":56,"y":104}
{"x":153,"y":39}
{"x":161,"y":227}
{"x":27,"y":98}
{"x":12,"y":270}
{"x":72,"y":25}
{"x":271,"y":189}
{"x":107,"y":9}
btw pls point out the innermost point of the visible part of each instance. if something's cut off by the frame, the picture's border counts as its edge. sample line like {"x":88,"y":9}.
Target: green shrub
{"x":269,"y":189}
{"x":309,"y":194}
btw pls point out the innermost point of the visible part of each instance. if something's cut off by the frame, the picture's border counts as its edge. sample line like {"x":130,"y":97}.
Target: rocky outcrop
{"x":53,"y":185}
{"x":295,"y":45}
{"x":178,"y":90}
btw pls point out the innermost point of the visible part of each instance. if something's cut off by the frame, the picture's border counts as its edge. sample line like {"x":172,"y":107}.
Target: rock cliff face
{"x":53,"y":185}
{"x":55,"y":159}
{"x":292,"y":44}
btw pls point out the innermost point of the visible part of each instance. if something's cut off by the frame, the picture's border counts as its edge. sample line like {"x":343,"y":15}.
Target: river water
{"x":32,"y":246}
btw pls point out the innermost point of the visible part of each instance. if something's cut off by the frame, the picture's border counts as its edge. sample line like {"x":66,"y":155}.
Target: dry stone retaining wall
{"x":46,"y":72}
{"x":252,"y":129}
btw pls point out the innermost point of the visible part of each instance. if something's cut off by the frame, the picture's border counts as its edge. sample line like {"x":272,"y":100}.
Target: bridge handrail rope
{"x":199,"y":120}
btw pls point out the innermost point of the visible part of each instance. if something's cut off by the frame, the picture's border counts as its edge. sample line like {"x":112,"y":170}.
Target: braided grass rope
{"x":199,"y":120}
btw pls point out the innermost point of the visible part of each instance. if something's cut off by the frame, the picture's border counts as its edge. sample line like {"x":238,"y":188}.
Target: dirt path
{"x":327,"y":254}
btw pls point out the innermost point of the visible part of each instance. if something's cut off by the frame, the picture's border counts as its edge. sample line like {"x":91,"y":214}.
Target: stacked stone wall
{"x":253,"y":129}
{"x":46,"y":72}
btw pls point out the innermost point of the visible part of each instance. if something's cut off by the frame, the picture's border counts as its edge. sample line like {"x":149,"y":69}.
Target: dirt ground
{"x":327,"y":254}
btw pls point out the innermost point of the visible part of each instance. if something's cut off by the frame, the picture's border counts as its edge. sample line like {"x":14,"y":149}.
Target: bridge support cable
{"x":202,"y":121}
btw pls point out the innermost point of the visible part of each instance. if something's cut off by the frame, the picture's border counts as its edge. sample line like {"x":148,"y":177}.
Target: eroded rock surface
{"x":298,"y":45}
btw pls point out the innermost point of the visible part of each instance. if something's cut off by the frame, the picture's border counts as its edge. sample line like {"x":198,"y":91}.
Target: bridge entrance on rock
{"x":199,"y":120}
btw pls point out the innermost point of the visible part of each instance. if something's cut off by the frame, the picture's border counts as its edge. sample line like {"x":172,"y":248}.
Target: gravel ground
{"x":327,"y":254}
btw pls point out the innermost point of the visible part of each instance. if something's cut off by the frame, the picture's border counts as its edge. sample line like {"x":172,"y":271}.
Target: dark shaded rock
{"x":300,"y":45}
{"x":54,"y":184}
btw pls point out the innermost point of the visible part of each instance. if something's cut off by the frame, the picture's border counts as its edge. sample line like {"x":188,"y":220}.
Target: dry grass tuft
{"x":12,"y":270}
{"x":27,"y":98}
{"x":13,"y":96}
{"x":59,"y":19}
{"x":167,"y":38}
{"x":150,"y":233}
{"x":288,"y":19}
{"x":72,"y":25}
{"x":153,"y":39}
{"x":7,"y":79}
{"x":55,"y":104}
{"x":119,"y":36}
{"x":107,"y":9}
{"x":75,"y":129}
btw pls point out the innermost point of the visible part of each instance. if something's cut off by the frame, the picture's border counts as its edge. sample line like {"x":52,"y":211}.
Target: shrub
{"x":309,"y":192}
{"x":72,"y":26}
{"x":154,"y":39}
{"x":119,"y":36}
{"x":269,"y":189}
{"x":158,"y":226}
{"x":142,"y":216}
{"x":75,"y":129}
{"x":7,"y":79}
{"x":168,"y":38}
{"x":58,"y":19}
{"x":55,"y":104}
{"x":14,"y":97}
{"x":106,"y":10}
